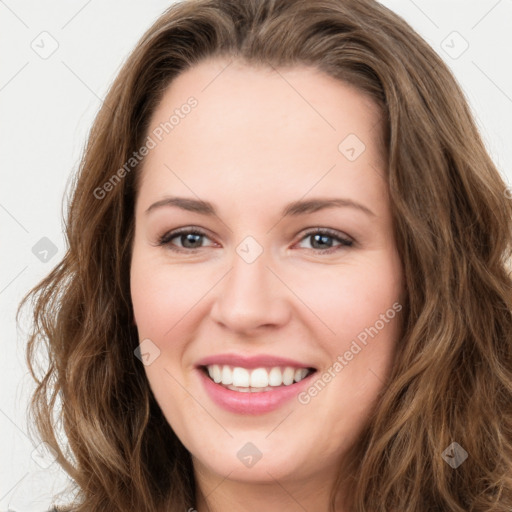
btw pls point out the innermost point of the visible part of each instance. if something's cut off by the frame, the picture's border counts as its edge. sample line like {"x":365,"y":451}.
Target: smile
{"x":237,"y":378}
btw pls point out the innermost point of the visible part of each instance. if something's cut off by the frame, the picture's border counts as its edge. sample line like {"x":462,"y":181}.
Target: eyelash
{"x":165,"y":239}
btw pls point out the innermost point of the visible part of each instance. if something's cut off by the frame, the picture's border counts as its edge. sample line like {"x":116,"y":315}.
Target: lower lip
{"x":257,"y":402}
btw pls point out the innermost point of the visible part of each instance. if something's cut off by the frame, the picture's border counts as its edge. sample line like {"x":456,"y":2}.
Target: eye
{"x":191,"y":239}
{"x":322,"y":239}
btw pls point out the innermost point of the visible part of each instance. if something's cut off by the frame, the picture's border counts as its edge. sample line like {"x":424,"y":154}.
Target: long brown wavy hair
{"x":452,"y":377}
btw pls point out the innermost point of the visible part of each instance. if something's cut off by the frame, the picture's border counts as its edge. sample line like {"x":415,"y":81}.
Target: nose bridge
{"x":251,"y":295}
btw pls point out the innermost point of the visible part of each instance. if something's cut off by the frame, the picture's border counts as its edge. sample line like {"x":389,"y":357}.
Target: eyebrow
{"x":294,"y":208}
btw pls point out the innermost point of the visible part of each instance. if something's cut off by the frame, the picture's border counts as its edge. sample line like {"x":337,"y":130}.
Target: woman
{"x":287,"y":279}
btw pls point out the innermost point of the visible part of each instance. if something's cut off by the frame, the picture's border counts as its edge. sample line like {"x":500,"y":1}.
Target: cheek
{"x":359,"y":310}
{"x":161,"y":300}
{"x":347,"y":299}
{"x":161,"y":294}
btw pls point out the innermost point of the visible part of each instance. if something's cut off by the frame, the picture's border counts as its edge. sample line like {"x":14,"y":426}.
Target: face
{"x":264,"y":256}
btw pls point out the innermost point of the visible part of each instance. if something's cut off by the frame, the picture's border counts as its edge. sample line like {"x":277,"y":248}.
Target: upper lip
{"x":256,"y":361}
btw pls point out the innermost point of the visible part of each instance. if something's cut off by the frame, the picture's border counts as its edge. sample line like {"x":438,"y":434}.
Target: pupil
{"x":322,"y":239}
{"x":189,"y":238}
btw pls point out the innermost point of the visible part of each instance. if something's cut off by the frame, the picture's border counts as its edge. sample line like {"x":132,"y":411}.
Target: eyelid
{"x":329,"y":231}
{"x":345,"y":240}
{"x":169,"y":235}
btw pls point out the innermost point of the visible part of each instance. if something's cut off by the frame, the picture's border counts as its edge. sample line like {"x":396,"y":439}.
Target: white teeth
{"x":227,"y":375}
{"x":288,"y":375}
{"x":300,"y":373}
{"x":259,"y":378}
{"x":242,"y":379}
{"x":275,"y":377}
{"x":215,"y":373}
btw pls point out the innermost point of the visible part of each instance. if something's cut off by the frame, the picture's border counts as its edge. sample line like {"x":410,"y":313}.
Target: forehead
{"x":285,"y":128}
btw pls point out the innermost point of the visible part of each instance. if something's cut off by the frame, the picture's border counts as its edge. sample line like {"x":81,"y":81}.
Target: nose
{"x":251,"y":298}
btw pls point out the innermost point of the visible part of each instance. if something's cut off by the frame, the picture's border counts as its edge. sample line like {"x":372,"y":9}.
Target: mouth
{"x":255,"y":380}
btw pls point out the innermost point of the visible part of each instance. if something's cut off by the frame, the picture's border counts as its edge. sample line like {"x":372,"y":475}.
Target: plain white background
{"x":48,"y":103}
